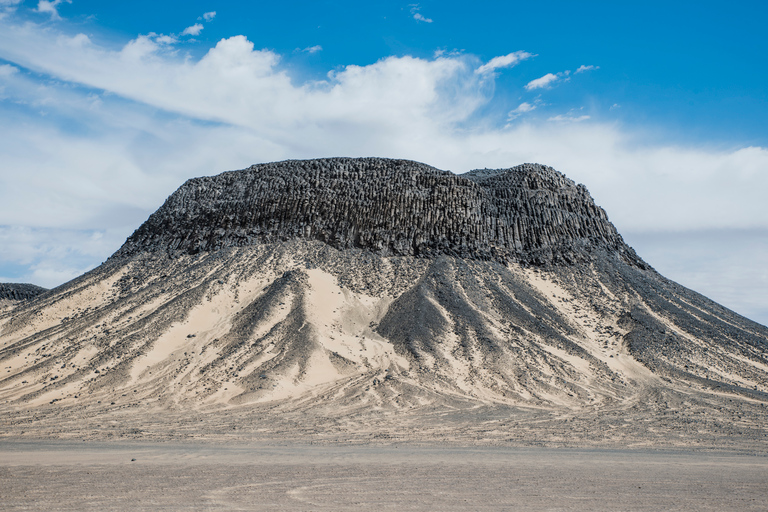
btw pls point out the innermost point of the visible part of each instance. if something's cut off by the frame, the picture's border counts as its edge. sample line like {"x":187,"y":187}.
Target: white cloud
{"x":50,"y":257}
{"x":208,"y":16}
{"x":544,"y":82}
{"x":51,"y":7}
{"x":524,"y":107}
{"x":7,"y":70}
{"x":504,"y":61}
{"x":550,"y":79}
{"x":417,"y":15}
{"x":8,"y":7}
{"x":313,"y":49}
{"x":194,"y":30}
{"x":583,"y":68}
{"x":164,"y":39}
{"x":521,"y":109}
{"x":568,"y":119}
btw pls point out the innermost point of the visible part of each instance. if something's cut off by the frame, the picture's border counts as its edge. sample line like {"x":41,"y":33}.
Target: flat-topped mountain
{"x":530,"y":213}
{"x":363,"y":299}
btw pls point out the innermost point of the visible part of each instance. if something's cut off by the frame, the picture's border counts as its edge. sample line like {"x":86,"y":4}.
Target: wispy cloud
{"x":568,"y":119}
{"x":504,"y":61}
{"x":313,"y":49}
{"x":523,"y":108}
{"x":417,"y":15}
{"x":550,"y":79}
{"x":584,"y":68}
{"x":194,"y":30}
{"x":207,"y":16}
{"x":51,"y":7}
{"x":546,"y":81}
{"x":8,"y":7}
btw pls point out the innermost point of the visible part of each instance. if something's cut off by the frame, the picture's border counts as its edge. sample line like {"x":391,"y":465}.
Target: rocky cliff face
{"x":530,"y":213}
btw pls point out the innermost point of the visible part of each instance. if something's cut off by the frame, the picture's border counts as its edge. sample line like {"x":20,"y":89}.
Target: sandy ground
{"x":174,"y":476}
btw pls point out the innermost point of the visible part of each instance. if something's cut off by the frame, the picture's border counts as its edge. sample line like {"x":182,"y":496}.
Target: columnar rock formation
{"x":529,"y":214}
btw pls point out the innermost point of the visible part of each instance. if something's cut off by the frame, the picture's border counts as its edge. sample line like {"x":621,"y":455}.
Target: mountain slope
{"x":367,"y":301}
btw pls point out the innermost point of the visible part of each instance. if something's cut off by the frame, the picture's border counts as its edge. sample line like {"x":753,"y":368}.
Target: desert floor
{"x":83,"y":476}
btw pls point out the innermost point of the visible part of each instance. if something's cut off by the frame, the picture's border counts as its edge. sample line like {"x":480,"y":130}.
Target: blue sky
{"x":696,"y":69}
{"x":659,"y":109}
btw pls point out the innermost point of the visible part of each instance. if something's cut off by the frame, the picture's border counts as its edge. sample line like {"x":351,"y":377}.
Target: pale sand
{"x":86,"y":476}
{"x":58,"y":354}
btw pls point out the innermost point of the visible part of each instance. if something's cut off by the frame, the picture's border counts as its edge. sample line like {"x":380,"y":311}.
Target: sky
{"x":659,"y":108}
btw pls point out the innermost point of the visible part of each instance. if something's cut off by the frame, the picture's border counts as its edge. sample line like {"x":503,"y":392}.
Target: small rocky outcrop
{"x":19,"y":291}
{"x":529,"y":214}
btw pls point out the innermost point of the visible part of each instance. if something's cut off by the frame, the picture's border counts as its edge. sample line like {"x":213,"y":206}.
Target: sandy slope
{"x":299,"y":337}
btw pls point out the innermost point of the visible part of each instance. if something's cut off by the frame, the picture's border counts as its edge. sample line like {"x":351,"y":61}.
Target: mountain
{"x":376,"y":298}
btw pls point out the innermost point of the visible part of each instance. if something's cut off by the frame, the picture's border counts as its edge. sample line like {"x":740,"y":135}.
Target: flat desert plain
{"x":70,"y":475}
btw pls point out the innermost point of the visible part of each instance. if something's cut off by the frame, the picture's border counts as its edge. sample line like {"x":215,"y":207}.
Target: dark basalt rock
{"x":19,"y":291}
{"x":531,"y":213}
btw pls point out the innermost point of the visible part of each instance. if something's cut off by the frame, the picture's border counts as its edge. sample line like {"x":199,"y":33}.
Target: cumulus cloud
{"x":208,"y":16}
{"x":108,"y":133}
{"x":164,"y":39}
{"x":51,"y":7}
{"x":194,"y":30}
{"x":237,"y":84}
{"x":504,"y":61}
